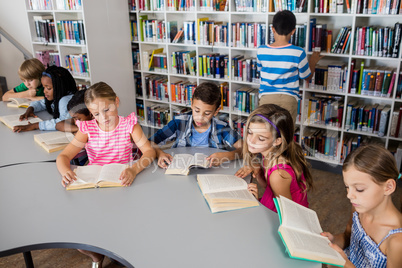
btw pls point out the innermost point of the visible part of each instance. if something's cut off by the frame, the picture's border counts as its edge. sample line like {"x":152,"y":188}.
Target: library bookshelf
{"x":310,"y":129}
{"x":94,"y":34}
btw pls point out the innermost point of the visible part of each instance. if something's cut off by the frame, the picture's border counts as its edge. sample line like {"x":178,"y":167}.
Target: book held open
{"x":182,"y":163}
{"x":97,"y":176}
{"x":225,"y":192}
{"x":14,"y":120}
{"x":300,"y":231}
{"x":54,"y":141}
{"x":19,"y":102}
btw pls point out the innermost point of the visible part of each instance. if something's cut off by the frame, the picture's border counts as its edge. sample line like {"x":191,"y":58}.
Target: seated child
{"x":200,"y":128}
{"x":59,"y":88}
{"x":108,"y":126}
{"x":78,"y":111}
{"x":284,"y":170}
{"x":373,"y":236}
{"x":31,"y":88}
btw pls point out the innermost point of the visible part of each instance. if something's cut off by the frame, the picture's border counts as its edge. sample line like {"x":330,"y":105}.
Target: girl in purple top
{"x":284,"y":170}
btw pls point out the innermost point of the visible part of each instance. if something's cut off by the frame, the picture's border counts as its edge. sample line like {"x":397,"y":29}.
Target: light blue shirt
{"x":200,"y":139}
{"x":64,"y":114}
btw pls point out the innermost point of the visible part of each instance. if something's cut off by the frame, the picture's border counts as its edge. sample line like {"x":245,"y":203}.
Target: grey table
{"x":18,"y":148}
{"x":160,"y":221}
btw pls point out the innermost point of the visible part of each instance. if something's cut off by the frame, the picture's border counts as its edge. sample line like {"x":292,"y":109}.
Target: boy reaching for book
{"x":373,"y":236}
{"x":200,"y":128}
{"x":59,"y":87}
{"x":31,"y":88}
{"x":284,"y":170}
{"x":107,"y":140}
{"x":281,"y":65}
{"x":78,"y":111}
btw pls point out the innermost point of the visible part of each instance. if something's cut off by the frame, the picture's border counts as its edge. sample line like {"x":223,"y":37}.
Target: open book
{"x":19,"y":102}
{"x":182,"y":163}
{"x":54,"y":141}
{"x":14,"y":120}
{"x":225,"y":192}
{"x":97,"y":176}
{"x":300,"y":232}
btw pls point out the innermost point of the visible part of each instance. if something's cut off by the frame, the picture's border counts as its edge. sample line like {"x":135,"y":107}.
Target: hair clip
{"x":399,"y":177}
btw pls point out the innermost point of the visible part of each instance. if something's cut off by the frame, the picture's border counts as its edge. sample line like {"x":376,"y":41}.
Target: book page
{"x":240,"y":195}
{"x":87,"y":174}
{"x":299,"y":217}
{"x":14,"y":120}
{"x":308,"y":244}
{"x":200,"y":160}
{"x":111,"y":172}
{"x":56,"y":137}
{"x":181,"y":162}
{"x":20,"y":101}
{"x":212,"y":183}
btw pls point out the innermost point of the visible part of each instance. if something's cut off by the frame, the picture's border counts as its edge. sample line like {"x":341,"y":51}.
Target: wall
{"x":13,"y":19}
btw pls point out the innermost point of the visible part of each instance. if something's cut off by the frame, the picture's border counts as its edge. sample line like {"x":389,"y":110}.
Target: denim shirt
{"x":51,"y":124}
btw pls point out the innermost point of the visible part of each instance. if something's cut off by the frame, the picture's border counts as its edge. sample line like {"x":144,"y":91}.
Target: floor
{"x":328,"y":200}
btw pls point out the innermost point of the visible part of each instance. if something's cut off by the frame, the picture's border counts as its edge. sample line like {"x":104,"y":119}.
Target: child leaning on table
{"x":78,"y":111}
{"x":107,"y":140}
{"x":31,"y":88}
{"x":284,"y":170}
{"x":373,"y":236}
{"x":59,"y":88}
{"x":282,"y":64}
{"x":200,"y":128}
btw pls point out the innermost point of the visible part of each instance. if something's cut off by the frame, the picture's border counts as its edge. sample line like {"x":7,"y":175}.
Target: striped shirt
{"x":281,"y":68}
{"x":109,"y":147}
{"x":363,"y":251}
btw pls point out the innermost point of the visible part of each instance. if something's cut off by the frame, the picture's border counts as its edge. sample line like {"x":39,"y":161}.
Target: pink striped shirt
{"x":109,"y":147}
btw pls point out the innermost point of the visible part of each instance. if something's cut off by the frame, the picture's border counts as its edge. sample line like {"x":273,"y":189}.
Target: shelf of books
{"x":353,"y":98}
{"x":81,"y":35}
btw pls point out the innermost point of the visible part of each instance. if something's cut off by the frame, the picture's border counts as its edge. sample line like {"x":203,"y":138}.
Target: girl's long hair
{"x":288,"y":149}
{"x":63,"y":85}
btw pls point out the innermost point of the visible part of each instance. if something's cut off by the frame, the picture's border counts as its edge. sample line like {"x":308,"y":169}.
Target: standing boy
{"x":200,"y":128}
{"x":282,"y":65}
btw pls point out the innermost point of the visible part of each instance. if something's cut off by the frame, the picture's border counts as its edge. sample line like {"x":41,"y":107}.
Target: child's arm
{"x":164,"y":159}
{"x":64,"y":158}
{"x":314,"y":59}
{"x":148,"y":155}
{"x":67,"y":126}
{"x":30,"y":94}
{"x":394,"y":249}
{"x":280,"y":183}
{"x":28,"y":113}
{"x":216,"y":159}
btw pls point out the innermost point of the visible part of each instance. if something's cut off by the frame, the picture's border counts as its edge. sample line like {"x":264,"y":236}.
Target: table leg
{"x":28,"y":259}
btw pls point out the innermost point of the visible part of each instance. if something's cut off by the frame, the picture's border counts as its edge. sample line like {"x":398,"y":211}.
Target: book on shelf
{"x":182,"y":163}
{"x":95,"y":176}
{"x":225,"y":192}
{"x":300,"y":231}
{"x":18,"y":102}
{"x":395,"y":130}
{"x":14,"y":120}
{"x":53,"y":141}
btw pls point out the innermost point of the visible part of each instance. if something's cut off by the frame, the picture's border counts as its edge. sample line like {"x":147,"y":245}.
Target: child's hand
{"x":68,"y":178}
{"x":244,"y":172}
{"x":28,"y":127}
{"x":348,"y":263}
{"x":164,"y":160}
{"x":216,"y":159}
{"x":329,"y":236}
{"x":315,"y":57}
{"x":252,"y":188}
{"x":28,"y":113}
{"x":127,"y":176}
{"x":31,"y":93}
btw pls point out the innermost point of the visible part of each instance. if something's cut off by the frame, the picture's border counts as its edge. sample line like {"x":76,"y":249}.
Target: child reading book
{"x":31,"y":88}
{"x":59,"y":87}
{"x":107,"y":140}
{"x":284,"y":170}
{"x":200,"y":128}
{"x":373,"y":236}
{"x":78,"y":111}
